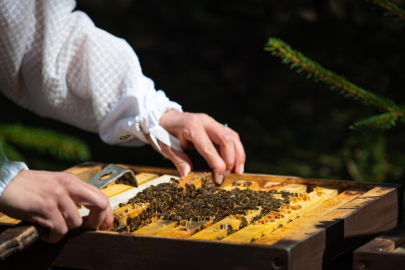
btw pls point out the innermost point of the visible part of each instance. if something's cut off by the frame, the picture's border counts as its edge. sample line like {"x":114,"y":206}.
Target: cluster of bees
{"x":168,"y":201}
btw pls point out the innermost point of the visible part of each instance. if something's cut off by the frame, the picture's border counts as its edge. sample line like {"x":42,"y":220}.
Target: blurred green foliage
{"x":208,"y":56}
{"x":14,"y":137}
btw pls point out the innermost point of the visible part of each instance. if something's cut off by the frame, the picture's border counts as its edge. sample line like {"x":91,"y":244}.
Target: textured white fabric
{"x":8,"y":170}
{"x":56,"y":63}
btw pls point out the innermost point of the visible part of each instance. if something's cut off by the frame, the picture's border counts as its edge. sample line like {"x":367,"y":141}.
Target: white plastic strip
{"x":159,"y":133}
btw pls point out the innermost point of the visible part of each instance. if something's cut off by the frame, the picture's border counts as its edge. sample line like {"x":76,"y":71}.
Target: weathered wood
{"x":388,"y":247}
{"x":88,"y":251}
{"x":343,"y":228}
{"x":18,"y":238}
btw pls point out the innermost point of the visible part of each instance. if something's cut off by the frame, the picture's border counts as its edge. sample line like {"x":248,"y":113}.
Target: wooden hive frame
{"x":386,"y":252}
{"x":312,"y":246}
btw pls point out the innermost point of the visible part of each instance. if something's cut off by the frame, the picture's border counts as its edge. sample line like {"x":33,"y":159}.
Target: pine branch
{"x":61,"y":146}
{"x":391,"y":7}
{"x":380,"y":122}
{"x":12,"y":153}
{"x":302,"y":63}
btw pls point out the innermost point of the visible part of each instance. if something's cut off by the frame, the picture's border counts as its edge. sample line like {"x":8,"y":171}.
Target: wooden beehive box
{"x":386,"y":251}
{"x":359,"y":213}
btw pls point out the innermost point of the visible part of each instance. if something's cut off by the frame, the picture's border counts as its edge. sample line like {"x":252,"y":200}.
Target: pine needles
{"x":391,"y":7}
{"x":301,"y":63}
{"x":58,"y":145}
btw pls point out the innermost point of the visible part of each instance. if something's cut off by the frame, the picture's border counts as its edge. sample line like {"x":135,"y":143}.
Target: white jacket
{"x":56,"y":63}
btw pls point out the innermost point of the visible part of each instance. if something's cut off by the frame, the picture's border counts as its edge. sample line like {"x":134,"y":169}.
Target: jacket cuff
{"x":124,"y":128}
{"x":9,"y":170}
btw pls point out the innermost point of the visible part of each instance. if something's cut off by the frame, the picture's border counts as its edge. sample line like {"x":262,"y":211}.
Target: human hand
{"x":218,"y":144}
{"x":50,"y":198}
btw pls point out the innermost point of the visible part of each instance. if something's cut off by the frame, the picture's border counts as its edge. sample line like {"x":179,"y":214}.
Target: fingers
{"x":224,"y":139}
{"x":106,"y":224}
{"x":179,"y":159}
{"x":55,"y":222}
{"x":70,"y":214}
{"x":240,"y":156}
{"x":205,"y":134}
{"x":231,"y":148}
{"x":194,"y":131}
{"x":93,"y":199}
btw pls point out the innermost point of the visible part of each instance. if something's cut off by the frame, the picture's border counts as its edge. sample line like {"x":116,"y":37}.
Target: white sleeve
{"x":57,"y":63}
{"x":8,"y":170}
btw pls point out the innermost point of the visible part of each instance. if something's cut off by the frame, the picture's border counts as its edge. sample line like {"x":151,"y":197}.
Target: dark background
{"x":208,"y":56}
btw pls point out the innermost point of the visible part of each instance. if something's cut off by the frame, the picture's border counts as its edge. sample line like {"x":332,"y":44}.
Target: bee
{"x":125,"y":137}
{"x":129,"y":221}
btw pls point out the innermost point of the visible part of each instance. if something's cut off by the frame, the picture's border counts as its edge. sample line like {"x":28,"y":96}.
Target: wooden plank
{"x":157,"y":228}
{"x":295,"y":188}
{"x":400,"y":249}
{"x":230,"y":183}
{"x":310,"y":182}
{"x":339,"y":213}
{"x":10,"y":220}
{"x":86,"y":170}
{"x":268,"y":185}
{"x":379,"y":261}
{"x":345,"y":227}
{"x":187,"y":228}
{"x":389,"y":247}
{"x":147,"y":169}
{"x":128,"y":211}
{"x":386,"y":242}
{"x":309,"y":217}
{"x":220,"y":229}
{"x":273,"y":221}
{"x":115,"y":189}
{"x":143,"y":178}
{"x":194,"y":179}
{"x":128,"y":251}
{"x":241,"y":184}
